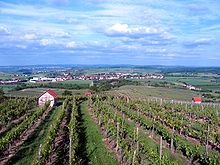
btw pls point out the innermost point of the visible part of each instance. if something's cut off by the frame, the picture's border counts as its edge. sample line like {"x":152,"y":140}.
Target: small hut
{"x":88,"y":93}
{"x":49,"y":95}
{"x":197,"y":100}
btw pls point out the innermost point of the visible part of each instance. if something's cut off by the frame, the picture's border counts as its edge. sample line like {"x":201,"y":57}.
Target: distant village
{"x":97,"y":76}
{"x":117,"y":75}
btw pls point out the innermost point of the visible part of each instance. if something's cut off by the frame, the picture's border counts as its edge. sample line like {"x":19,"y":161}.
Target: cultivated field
{"x":36,"y":92}
{"x":160,"y":92}
{"x":108,"y":130}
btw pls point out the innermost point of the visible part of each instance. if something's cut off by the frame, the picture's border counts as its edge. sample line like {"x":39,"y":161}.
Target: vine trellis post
{"x":161,"y":147}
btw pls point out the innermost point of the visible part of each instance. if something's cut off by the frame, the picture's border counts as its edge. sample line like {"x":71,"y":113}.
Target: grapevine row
{"x":190,"y":150}
{"x":47,"y":145}
{"x":147,"y":149}
{"x":73,"y":136}
{"x":16,"y":131}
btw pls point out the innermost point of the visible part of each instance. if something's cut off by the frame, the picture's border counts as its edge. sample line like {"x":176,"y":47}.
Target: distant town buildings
{"x":62,"y":78}
{"x":190,"y":87}
{"x":97,"y":76}
{"x":40,"y":79}
{"x":58,"y":78}
{"x":12,"y":81}
{"x":116,"y":75}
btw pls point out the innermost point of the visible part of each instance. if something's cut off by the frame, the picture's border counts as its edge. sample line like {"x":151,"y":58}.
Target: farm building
{"x":49,"y":95}
{"x":87,"y":93}
{"x":197,"y":100}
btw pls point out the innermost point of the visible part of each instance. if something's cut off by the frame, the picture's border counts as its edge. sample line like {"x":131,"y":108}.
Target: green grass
{"x":7,"y":88}
{"x":29,"y":92}
{"x":161,"y":92}
{"x":78,"y":82}
{"x":96,"y":150}
{"x":203,"y":83}
{"x":99,"y":70}
{"x":121,"y":69}
{"x":5,"y":76}
{"x":36,"y":92}
{"x":30,"y":148}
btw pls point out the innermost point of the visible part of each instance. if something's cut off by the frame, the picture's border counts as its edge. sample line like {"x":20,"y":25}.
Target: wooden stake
{"x":100,"y":119}
{"x":181,"y":129}
{"x":134,"y":155}
{"x":207,"y":143}
{"x":123,"y":116}
{"x":108,"y":124}
{"x":152,"y":132}
{"x":137,"y":140}
{"x":117,"y":136}
{"x":171,"y":144}
{"x":115,"y":116}
{"x":161,"y":147}
{"x":70,"y":152}
{"x":39,"y":152}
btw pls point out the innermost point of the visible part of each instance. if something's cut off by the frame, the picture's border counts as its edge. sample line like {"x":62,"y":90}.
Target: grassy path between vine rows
{"x":30,"y":148}
{"x":96,"y":151}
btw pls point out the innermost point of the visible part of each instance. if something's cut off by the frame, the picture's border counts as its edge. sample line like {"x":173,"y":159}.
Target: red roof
{"x":52,"y":93}
{"x":197,"y":99}
{"x":87,"y":93}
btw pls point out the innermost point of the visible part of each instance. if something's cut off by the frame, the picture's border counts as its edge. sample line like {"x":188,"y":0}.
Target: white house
{"x":49,"y":95}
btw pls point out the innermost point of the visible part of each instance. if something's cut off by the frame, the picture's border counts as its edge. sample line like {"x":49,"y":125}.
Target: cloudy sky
{"x":142,"y":32}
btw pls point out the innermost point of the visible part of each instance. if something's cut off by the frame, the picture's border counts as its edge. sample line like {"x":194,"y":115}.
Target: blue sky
{"x":143,"y":32}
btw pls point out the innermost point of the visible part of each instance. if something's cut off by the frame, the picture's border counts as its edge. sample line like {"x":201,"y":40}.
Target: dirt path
{"x":15,"y":145}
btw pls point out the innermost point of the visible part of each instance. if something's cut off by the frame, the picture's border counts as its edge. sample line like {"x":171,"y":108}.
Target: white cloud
{"x":60,"y":34}
{"x":21,"y":46}
{"x":124,"y":30}
{"x":198,"y":42}
{"x":46,"y":42}
{"x":71,"y":44}
{"x":169,"y":55}
{"x":4,"y":30}
{"x":29,"y":36}
{"x":58,"y":2}
{"x":120,"y":28}
{"x":203,"y":41}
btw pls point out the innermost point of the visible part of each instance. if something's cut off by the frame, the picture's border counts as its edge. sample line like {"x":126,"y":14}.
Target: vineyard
{"x":108,"y":130}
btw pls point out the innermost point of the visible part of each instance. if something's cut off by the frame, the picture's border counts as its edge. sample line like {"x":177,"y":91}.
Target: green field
{"x":146,"y":91}
{"x":121,"y":69}
{"x":36,"y":92}
{"x":77,"y":82}
{"x":4,"y":76}
{"x":7,"y":88}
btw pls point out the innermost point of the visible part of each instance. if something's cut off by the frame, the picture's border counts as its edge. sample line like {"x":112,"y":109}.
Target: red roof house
{"x":197,"y":100}
{"x":49,"y":95}
{"x":87,"y":93}
{"x":52,"y":93}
